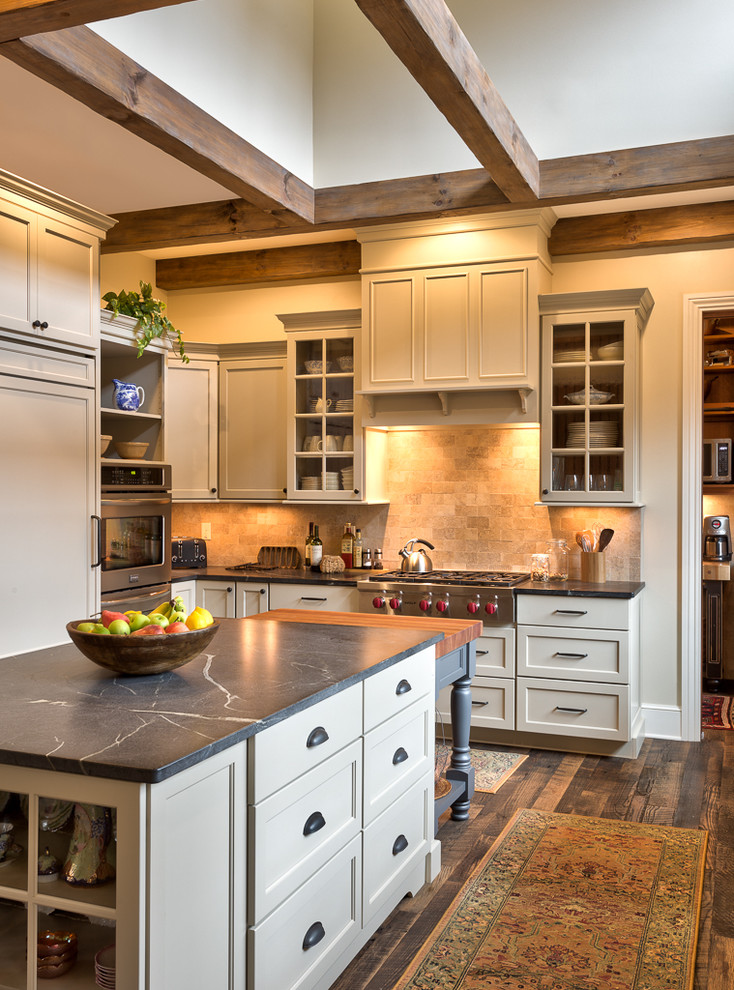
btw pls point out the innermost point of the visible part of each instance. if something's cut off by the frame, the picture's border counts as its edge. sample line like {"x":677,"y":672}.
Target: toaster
{"x":188,"y":553}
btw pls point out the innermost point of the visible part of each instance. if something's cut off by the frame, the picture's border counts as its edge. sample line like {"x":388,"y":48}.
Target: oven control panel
{"x":136,"y":476}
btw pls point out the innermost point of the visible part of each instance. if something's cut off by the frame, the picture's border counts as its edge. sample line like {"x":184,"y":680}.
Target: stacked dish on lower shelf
{"x":104,"y":968}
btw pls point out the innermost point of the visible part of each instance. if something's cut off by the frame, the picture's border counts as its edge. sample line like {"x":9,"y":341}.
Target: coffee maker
{"x":716,"y":539}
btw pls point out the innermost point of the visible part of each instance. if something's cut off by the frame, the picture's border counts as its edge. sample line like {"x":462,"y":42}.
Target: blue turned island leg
{"x":461,"y":769}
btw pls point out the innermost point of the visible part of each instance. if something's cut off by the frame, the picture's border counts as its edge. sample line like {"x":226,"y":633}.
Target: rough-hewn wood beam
{"x":305,"y":261}
{"x":19,"y":18}
{"x":94,"y":72}
{"x":428,"y":41}
{"x":639,"y":171}
{"x":694,"y":224}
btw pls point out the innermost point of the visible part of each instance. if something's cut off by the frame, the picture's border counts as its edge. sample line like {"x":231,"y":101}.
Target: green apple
{"x":119,"y":627}
{"x":87,"y":627}
{"x":138,"y":621}
{"x":101,"y":629}
{"x":159,"y":620}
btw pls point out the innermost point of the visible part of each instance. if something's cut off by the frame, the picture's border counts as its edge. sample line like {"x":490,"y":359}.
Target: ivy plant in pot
{"x":152,"y":324}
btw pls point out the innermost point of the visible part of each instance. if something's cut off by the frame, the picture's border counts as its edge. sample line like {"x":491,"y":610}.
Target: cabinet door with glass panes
{"x":589,"y":435}
{"x":324,"y":448}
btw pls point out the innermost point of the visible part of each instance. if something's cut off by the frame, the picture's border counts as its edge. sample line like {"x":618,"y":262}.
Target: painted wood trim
{"x":429,"y":42}
{"x":89,"y":69}
{"x":20,"y":18}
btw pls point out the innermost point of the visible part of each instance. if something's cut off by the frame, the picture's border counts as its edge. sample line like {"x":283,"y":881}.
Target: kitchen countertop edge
{"x":582,"y":589}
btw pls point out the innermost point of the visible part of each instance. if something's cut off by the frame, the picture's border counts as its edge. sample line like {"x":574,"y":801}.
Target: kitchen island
{"x":289,"y":760}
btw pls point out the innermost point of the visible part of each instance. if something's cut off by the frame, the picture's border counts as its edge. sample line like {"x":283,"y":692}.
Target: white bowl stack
{"x":331,"y":481}
{"x":311,"y":483}
{"x":347,"y":478}
{"x":104,"y":968}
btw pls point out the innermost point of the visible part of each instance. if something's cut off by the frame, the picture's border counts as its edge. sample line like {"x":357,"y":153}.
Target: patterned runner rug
{"x":716,"y":711}
{"x":562,"y":902}
{"x":491,"y":767}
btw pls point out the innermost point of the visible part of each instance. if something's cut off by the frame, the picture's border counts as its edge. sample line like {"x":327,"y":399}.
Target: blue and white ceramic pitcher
{"x":127,"y":396}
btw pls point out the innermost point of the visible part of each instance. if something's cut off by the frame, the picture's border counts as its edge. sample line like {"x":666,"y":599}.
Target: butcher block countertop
{"x":456,"y":632}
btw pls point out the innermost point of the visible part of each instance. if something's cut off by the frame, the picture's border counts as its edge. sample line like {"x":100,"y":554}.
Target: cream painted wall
{"x":669,"y":276}
{"x":126,"y":271}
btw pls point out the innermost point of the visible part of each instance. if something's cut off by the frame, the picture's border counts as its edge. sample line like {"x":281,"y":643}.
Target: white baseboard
{"x":663,"y":722}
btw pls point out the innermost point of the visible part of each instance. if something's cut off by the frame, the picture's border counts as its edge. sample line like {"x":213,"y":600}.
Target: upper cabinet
{"x":451,"y":309}
{"x":49,"y":270}
{"x":590,"y":396}
{"x":191,"y":427}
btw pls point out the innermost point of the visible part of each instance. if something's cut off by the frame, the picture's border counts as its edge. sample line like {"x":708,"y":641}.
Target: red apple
{"x":108,"y":617}
{"x":176,"y":627}
{"x":151,"y":630}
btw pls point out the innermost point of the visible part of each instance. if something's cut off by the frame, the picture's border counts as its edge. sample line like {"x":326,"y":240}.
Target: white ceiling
{"x":578,"y":75}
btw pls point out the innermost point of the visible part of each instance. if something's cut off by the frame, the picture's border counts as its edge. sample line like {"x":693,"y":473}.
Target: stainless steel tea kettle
{"x":416,"y":560}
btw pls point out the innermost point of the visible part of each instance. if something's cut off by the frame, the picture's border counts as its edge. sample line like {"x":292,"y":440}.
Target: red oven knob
{"x":490,"y":608}
{"x":472,"y":608}
{"x":424,"y":604}
{"x":378,"y":602}
{"x":395,"y":604}
{"x":443,"y":605}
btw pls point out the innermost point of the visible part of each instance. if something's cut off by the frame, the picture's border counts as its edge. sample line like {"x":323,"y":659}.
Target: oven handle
{"x":99,"y":540}
{"x":138,"y":499}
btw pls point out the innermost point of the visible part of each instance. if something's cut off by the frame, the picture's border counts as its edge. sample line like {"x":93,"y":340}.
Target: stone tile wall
{"x":471,"y":491}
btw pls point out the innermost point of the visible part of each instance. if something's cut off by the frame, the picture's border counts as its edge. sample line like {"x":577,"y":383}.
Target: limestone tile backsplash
{"x":471,"y":491}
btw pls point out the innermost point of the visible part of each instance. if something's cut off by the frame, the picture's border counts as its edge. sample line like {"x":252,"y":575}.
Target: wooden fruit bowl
{"x":141,"y":655}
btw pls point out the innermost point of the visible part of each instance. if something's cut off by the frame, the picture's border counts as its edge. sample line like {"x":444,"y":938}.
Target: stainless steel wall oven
{"x":135,"y":534}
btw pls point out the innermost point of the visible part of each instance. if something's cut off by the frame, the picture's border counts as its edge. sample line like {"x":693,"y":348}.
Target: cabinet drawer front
{"x":312,"y":596}
{"x":396,"y":753}
{"x":574,"y":654}
{"x":593,"y":711}
{"x":396,"y":688}
{"x":46,"y":364}
{"x":296,"y":944}
{"x":299,"y":828}
{"x":286,"y":750}
{"x":496,"y":654}
{"x":394,"y":843}
{"x":566,"y":610}
{"x":492,"y":703}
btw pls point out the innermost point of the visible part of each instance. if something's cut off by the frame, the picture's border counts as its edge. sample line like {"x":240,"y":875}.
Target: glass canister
{"x":557,"y":551}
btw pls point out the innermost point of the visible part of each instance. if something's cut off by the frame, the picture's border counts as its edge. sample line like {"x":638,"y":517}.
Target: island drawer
{"x":395,"y":846}
{"x":397,"y":687}
{"x":582,"y":655}
{"x":298,"y":942}
{"x":492,"y":703}
{"x":496,"y":654}
{"x":573,"y":708}
{"x":282,"y":752}
{"x":571,"y":611}
{"x":396,"y":754}
{"x":300,"y":827}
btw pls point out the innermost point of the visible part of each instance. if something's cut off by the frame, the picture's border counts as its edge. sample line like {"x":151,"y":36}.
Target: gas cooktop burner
{"x":485,"y":579}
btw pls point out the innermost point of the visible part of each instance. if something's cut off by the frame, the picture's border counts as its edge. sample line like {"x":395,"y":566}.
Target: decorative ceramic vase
{"x":86,"y":862}
{"x":128,"y":397}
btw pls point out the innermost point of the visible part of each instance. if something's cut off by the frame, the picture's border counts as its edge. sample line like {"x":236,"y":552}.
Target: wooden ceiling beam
{"x":333,"y":259}
{"x":428,"y":41}
{"x":103,"y":78}
{"x":700,"y":223}
{"x":20,"y":18}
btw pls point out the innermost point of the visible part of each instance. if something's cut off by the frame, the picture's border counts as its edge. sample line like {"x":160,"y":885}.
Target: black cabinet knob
{"x":36,"y":324}
{"x":545,"y":491}
{"x":44,"y":325}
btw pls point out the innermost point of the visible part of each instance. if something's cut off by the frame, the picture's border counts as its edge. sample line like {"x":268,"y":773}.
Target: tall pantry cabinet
{"x":49,"y":446}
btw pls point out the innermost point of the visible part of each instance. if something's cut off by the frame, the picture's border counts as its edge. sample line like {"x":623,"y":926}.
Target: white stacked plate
{"x":600,"y":435}
{"x":104,"y":968}
{"x":348,"y":477}
{"x":344,"y":405}
{"x":569,"y":356}
{"x":311,"y":484}
{"x":331,"y":481}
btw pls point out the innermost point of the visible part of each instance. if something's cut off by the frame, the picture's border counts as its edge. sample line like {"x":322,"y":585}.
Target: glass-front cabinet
{"x":590,"y":401}
{"x":325,"y":460}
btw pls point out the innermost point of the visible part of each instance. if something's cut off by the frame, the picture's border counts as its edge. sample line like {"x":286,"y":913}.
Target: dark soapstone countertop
{"x":59,"y":711}
{"x":278,"y":575}
{"x":588,"y":589}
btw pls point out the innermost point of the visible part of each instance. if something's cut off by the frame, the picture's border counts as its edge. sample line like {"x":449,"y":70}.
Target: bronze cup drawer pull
{"x":403,"y":687}
{"x":571,"y":656}
{"x":400,"y":756}
{"x":316,"y":737}
{"x":399,"y":845}
{"x":313,"y":936}
{"x":571,"y":711}
{"x":314,"y":823}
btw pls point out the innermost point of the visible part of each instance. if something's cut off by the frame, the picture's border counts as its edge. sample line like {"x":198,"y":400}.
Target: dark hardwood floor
{"x":671,"y":783}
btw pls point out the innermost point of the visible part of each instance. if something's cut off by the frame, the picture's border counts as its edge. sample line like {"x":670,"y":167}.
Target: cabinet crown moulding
{"x":333,"y":319}
{"x":23,"y":191}
{"x":639,"y":299}
{"x":544,"y":219}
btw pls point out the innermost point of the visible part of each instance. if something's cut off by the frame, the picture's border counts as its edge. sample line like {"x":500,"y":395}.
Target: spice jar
{"x":557,"y":551}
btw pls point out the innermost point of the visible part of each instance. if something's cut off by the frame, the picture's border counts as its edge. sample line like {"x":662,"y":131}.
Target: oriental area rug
{"x":563,"y":902}
{"x":491,"y":767}
{"x":716,"y":711}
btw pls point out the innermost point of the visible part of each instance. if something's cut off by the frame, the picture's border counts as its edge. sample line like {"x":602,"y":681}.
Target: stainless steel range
{"x":485,"y":595}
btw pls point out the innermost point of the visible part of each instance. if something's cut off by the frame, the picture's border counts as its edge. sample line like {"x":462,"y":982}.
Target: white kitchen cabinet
{"x":187,"y":591}
{"x":218,"y":597}
{"x":49,"y":265}
{"x":252,"y":428}
{"x":493,"y":685}
{"x":591,"y":396}
{"x":328,"y":598}
{"x":578,"y":668}
{"x":191,"y":428}
{"x":48,"y":448}
{"x":251,"y":598}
